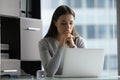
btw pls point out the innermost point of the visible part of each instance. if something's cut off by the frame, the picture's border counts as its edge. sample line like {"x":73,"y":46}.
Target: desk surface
{"x":50,"y":78}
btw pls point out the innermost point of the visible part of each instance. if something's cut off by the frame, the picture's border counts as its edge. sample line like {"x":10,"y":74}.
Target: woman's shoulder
{"x":46,"y":40}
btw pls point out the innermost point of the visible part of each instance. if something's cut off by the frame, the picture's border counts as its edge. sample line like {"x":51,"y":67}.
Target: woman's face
{"x":65,"y":23}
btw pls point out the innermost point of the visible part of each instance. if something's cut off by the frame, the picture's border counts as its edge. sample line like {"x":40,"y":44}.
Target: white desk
{"x":102,"y":78}
{"x":48,"y":78}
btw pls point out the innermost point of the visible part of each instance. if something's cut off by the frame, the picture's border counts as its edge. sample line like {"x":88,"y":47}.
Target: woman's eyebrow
{"x":63,"y":21}
{"x":67,"y":21}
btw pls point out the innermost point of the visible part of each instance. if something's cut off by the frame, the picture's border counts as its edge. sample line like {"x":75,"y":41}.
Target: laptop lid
{"x":79,"y":62}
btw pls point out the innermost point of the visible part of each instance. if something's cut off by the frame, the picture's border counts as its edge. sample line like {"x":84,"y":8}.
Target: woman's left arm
{"x":80,"y":42}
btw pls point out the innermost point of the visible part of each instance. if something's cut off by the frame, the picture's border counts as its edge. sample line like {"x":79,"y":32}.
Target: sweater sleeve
{"x":50,"y":64}
{"x":80,"y":42}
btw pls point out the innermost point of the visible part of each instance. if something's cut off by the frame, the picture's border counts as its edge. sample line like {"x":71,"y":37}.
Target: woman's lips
{"x":67,"y":31}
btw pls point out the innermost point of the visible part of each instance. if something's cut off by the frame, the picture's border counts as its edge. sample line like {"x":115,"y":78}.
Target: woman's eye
{"x":71,"y":23}
{"x":63,"y":23}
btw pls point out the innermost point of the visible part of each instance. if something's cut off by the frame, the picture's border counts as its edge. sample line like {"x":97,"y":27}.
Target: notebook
{"x":79,"y":62}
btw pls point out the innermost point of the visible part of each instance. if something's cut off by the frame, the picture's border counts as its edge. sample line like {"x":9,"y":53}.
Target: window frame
{"x":118,"y":32}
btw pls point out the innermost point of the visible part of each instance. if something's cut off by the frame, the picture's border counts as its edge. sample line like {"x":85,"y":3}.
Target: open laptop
{"x":79,"y":62}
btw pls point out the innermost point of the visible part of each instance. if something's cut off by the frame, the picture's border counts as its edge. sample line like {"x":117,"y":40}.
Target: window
{"x":113,"y":31}
{"x":74,"y":3}
{"x":112,"y":3}
{"x":105,"y":63}
{"x":113,"y":61}
{"x":101,"y":3}
{"x":68,"y":2}
{"x":96,"y":23}
{"x":90,"y":31}
{"x":77,"y":3}
{"x":90,"y":4}
{"x":55,"y":3}
{"x":101,"y":31}
{"x":79,"y":29}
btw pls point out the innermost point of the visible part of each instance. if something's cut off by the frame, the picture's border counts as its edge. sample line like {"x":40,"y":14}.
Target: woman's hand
{"x":67,"y":38}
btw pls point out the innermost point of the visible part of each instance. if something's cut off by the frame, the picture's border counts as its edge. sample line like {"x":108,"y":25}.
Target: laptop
{"x":79,"y":62}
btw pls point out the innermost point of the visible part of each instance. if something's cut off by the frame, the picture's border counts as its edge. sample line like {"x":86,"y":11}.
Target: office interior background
{"x":95,"y":20}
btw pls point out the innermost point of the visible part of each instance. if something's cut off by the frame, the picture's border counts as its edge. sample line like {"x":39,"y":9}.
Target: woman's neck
{"x":58,"y":37}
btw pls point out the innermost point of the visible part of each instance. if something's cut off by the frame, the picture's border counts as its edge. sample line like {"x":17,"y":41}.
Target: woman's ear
{"x":55,"y":23}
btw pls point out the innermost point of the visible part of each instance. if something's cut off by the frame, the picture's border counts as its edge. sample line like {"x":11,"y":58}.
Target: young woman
{"x":61,"y":34}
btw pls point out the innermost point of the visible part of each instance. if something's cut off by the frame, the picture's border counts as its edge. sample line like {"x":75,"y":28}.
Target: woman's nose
{"x":68,"y":26}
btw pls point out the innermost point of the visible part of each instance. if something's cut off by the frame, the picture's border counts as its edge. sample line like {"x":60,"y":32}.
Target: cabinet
{"x":10,"y":35}
{"x":10,"y":7}
{"x":21,"y":8}
{"x":31,"y":33}
{"x":30,"y":8}
{"x":22,"y":35}
{"x":10,"y":64}
{"x":10,"y":44}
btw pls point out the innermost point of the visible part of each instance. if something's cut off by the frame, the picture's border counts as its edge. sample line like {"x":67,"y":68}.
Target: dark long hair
{"x":61,"y":10}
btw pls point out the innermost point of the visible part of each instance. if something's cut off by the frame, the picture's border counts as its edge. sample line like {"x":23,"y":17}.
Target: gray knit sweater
{"x":51,"y":54}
